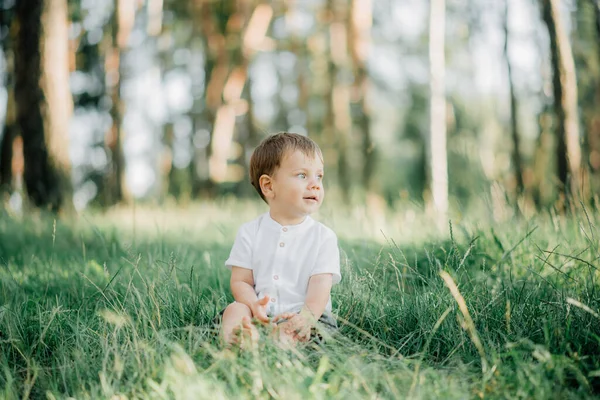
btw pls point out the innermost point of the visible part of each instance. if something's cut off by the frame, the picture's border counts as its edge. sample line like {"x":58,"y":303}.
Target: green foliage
{"x":95,"y":310}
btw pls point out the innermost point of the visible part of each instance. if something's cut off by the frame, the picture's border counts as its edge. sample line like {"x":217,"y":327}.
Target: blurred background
{"x":445,"y":104}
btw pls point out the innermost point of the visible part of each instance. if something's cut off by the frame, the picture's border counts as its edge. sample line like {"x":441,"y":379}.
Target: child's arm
{"x":299,"y":325}
{"x":317,"y":294}
{"x":242,"y":288}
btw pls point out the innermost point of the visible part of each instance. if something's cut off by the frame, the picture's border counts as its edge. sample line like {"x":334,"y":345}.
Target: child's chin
{"x":312,"y":203}
{"x":312,"y":209}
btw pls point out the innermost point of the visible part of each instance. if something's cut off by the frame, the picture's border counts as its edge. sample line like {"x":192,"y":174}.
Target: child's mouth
{"x":311,"y":198}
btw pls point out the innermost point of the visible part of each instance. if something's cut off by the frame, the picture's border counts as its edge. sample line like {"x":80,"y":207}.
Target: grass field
{"x":120,"y":305}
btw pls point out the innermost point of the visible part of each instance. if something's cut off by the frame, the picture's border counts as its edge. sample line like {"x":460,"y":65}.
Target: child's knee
{"x":237,"y":310}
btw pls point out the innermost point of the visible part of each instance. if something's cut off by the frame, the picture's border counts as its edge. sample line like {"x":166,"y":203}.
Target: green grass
{"x":122,"y":304}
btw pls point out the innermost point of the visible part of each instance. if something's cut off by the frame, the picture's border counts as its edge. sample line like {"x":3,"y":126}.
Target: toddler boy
{"x":283,"y":263}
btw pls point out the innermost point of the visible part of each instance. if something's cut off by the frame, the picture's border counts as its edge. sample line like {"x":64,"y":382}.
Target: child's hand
{"x":297,"y":326}
{"x":286,"y":315}
{"x":259,"y":309}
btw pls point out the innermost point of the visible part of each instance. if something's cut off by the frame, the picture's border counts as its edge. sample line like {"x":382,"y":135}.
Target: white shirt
{"x":283,"y":258}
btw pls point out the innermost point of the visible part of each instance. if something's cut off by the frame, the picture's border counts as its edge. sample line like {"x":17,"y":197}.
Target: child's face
{"x":297,"y":186}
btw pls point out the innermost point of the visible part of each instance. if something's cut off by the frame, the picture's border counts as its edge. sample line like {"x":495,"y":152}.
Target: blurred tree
{"x":213,"y":21}
{"x":257,"y":20}
{"x":338,"y":124}
{"x":299,"y":48}
{"x":415,"y":128}
{"x":245,"y":29}
{"x":91,"y":100}
{"x":280,"y":121}
{"x":318,"y":116}
{"x":361,"y":20}
{"x":593,"y":122}
{"x":6,"y":146}
{"x":119,"y":28}
{"x":222,"y":116}
{"x":542,"y":188}
{"x":10,"y":139}
{"x":7,"y":29}
{"x":585,"y":53}
{"x":568,"y":150}
{"x":154,"y":11}
{"x":178,"y":32}
{"x":205,"y":33}
{"x":514,"y":122}
{"x":43,"y":111}
{"x":438,"y":161}
{"x":596,"y":5}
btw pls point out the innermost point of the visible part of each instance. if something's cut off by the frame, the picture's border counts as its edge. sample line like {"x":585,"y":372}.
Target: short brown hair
{"x":267,"y":156}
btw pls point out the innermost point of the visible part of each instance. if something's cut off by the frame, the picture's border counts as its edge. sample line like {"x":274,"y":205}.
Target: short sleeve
{"x":328,"y":260}
{"x":241,"y":252}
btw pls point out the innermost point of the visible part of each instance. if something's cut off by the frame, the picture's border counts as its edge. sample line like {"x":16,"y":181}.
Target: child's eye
{"x":320,"y":177}
{"x":302,"y":175}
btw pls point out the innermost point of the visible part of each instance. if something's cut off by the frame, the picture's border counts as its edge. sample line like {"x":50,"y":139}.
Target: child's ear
{"x":266,"y":186}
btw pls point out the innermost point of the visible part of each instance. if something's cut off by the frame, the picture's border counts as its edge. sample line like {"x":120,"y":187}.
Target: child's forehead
{"x":296,"y":157}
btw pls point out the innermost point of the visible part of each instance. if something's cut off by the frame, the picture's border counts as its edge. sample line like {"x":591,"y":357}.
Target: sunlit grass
{"x":122,"y":304}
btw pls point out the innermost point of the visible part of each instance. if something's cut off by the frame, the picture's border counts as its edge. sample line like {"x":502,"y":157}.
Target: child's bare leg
{"x":236,"y":325}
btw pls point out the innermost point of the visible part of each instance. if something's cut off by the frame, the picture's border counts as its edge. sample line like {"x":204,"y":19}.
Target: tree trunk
{"x":203,"y":27}
{"x":340,"y":123}
{"x":216,"y":69}
{"x":120,"y":25}
{"x":596,"y":5}
{"x":542,"y":189}
{"x":361,"y":20}
{"x":6,"y":159}
{"x":298,"y":48}
{"x":568,"y":150}
{"x":10,"y":128}
{"x":6,"y":147}
{"x":593,"y":138}
{"x":43,"y":111}
{"x":252,"y":136}
{"x":223,"y":121}
{"x":237,"y":92}
{"x":155,"y":17}
{"x":438,"y":163}
{"x":514,"y":122}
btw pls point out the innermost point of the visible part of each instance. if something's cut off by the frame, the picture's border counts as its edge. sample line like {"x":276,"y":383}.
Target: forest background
{"x":489,"y":103}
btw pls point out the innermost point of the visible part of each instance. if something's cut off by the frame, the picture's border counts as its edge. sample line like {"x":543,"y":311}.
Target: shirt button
{"x":281,"y":244}
{"x":284,"y":229}
{"x":276,"y":277}
{"x":273,"y":300}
